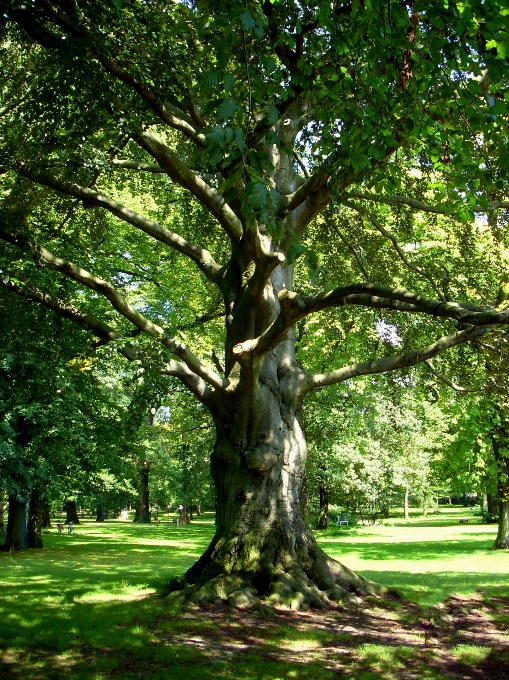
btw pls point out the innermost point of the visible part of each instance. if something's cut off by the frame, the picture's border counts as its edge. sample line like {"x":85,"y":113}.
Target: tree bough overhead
{"x":242,"y":129}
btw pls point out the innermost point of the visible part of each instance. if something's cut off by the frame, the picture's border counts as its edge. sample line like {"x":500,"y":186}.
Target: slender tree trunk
{"x":424,"y":505}
{"x":100,"y":513}
{"x":323,"y":517}
{"x":2,"y":512}
{"x":71,"y":513}
{"x":502,"y":540}
{"x":407,"y":493}
{"x":34,"y":537}
{"x":500,"y":442}
{"x":492,"y":503}
{"x":144,"y":504}
{"x":46,"y":515}
{"x":15,"y":526}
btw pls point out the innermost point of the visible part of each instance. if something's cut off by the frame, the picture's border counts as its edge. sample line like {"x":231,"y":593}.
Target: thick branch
{"x":183,"y":175}
{"x":397,"y":362}
{"x":295,"y":307}
{"x":423,"y":207}
{"x":139,"y":165}
{"x":83,"y":319}
{"x":195,"y":385}
{"x":105,"y":289}
{"x":200,"y":256}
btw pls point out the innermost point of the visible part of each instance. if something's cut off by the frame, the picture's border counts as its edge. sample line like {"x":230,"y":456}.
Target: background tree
{"x":236,"y":126}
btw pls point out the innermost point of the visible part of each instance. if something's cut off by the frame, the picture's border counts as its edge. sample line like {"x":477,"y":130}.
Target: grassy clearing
{"x":428,"y":559}
{"x":87,"y":607}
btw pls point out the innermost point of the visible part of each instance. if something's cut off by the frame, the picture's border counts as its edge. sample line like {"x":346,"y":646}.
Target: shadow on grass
{"x":365,"y":644}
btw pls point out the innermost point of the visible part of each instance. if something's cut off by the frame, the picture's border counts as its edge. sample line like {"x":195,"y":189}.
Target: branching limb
{"x":449,"y":383}
{"x":397,"y":362}
{"x":121,"y":305}
{"x":138,"y":165}
{"x":166,"y":112}
{"x":410,"y":265}
{"x":87,"y":321}
{"x":423,"y":207}
{"x":351,"y":249}
{"x":186,"y":178}
{"x":194,"y":384}
{"x":202,"y":258}
{"x":291,"y":201}
{"x":295,"y":307}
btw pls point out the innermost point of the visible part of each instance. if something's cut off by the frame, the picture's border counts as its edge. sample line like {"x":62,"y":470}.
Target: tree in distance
{"x":226,"y":135}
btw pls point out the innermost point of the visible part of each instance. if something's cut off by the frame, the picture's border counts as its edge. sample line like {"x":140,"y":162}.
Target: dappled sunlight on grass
{"x":87,"y":606}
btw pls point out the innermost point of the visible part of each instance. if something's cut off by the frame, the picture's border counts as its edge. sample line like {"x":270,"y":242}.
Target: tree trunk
{"x":34,"y":537}
{"x":323,"y":517}
{"x":263,"y":546}
{"x":100,"y":513}
{"x":144,"y":504}
{"x":71,"y":513}
{"x":407,"y":513}
{"x":15,"y":539}
{"x":492,"y":503}
{"x":502,"y":540}
{"x":425,"y":505}
{"x":2,"y":514}
{"x":500,"y":441}
{"x":46,"y":516}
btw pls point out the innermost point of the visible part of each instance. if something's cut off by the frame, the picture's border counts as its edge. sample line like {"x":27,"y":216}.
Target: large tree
{"x":247,"y":126}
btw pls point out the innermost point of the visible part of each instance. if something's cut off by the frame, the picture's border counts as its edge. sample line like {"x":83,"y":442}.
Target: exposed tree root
{"x":327,"y":583}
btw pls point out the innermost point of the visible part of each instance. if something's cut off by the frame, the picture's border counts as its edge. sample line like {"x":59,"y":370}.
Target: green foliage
{"x":369,"y":441}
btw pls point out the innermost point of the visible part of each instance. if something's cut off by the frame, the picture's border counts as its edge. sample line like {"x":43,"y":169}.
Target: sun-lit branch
{"x":394,"y":363}
{"x":423,"y":207}
{"x":119,"y":303}
{"x":182,"y":174}
{"x":202,"y":258}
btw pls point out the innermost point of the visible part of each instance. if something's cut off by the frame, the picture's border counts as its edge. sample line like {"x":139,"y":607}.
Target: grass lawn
{"x":87,"y":606}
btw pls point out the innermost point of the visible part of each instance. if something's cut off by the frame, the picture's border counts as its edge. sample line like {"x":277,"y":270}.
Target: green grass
{"x":428,"y":559}
{"x":88,"y":606}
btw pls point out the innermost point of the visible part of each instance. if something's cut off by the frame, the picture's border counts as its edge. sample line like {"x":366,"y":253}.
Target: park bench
{"x":342,"y":521}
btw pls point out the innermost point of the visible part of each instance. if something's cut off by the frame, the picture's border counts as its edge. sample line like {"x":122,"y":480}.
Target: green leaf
{"x":228,"y":81}
{"x":216,"y":136}
{"x":248,"y":21}
{"x":227,"y":109}
{"x":294,"y":252}
{"x":272,"y":115}
{"x":240,"y":139}
{"x":211,"y":78}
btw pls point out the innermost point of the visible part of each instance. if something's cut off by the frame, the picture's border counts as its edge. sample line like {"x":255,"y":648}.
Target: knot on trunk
{"x":261,"y":459}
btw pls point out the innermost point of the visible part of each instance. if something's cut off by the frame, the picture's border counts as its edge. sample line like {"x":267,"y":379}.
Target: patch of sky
{"x":388,"y":333}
